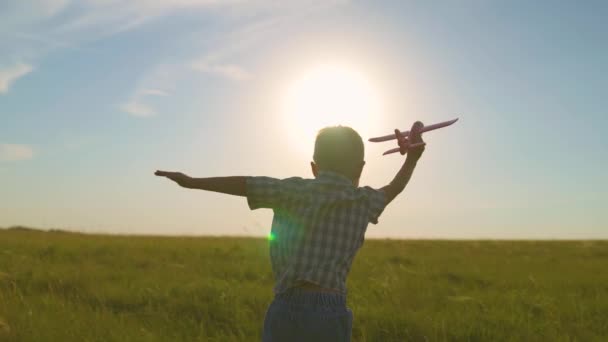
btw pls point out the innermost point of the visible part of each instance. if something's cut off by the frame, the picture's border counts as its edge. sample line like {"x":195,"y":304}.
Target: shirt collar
{"x":334,"y":177}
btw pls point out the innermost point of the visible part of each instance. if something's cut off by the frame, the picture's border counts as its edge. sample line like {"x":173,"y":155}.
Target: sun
{"x":329,"y":95}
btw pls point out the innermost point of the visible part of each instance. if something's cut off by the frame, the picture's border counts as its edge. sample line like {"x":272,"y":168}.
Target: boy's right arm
{"x":236,"y":185}
{"x":396,"y":186}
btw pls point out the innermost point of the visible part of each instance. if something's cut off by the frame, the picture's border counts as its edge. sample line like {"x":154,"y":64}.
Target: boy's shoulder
{"x":324,"y":178}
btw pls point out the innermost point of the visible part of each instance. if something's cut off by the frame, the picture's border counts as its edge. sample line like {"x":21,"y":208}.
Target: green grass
{"x":57,"y":286}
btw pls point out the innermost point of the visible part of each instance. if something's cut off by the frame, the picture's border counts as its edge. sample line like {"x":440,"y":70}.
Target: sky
{"x":95,"y":95}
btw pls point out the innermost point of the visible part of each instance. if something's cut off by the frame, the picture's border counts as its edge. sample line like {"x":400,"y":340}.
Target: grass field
{"x":57,"y":286}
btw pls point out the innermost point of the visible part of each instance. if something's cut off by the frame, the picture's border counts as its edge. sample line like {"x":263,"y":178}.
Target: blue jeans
{"x":303,"y":315}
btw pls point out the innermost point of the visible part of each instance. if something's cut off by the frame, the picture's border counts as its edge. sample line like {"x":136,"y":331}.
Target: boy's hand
{"x":397,"y":185}
{"x":177,"y":177}
{"x":413,"y":153}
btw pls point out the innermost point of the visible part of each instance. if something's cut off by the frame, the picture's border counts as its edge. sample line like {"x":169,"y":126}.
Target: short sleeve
{"x":376,"y":201}
{"x":267,"y":192}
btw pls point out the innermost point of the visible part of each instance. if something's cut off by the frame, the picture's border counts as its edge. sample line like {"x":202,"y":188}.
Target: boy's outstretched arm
{"x":236,"y":185}
{"x":396,"y":186}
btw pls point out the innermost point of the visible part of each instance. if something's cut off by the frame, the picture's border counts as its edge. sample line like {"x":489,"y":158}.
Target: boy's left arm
{"x":396,"y":186}
{"x":235,"y":185}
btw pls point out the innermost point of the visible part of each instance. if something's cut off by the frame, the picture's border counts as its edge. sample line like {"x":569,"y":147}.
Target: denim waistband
{"x":297,"y":296}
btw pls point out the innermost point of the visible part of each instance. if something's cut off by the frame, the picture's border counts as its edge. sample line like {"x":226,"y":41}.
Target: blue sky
{"x":95,"y":95}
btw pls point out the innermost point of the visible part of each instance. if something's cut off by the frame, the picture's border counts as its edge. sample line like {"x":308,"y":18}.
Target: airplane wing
{"x":406,"y":133}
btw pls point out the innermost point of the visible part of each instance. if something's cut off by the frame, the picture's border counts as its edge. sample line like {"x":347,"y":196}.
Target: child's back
{"x":318,"y":226}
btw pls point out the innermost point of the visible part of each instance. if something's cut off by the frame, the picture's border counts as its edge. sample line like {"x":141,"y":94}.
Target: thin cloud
{"x":15,"y":152}
{"x":11,"y":74}
{"x":138,"y":109}
{"x":229,"y":71}
{"x":153,"y":92}
{"x":279,"y":16}
{"x":37,"y":31}
{"x":118,"y":16}
{"x":54,"y":43}
{"x":156,"y":84}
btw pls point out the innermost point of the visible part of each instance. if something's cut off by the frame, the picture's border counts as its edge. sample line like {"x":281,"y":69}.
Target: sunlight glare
{"x":329,"y":95}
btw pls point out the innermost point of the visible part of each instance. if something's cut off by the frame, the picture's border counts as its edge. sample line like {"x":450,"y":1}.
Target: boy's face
{"x":315,"y":171}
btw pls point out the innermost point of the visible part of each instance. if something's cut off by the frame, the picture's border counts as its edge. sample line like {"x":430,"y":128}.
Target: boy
{"x":318,"y":226}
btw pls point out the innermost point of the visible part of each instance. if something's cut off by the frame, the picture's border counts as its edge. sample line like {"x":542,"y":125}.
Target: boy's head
{"x":339,"y":149}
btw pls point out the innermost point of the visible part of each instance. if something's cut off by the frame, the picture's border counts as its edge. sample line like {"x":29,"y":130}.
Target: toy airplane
{"x":406,"y":133}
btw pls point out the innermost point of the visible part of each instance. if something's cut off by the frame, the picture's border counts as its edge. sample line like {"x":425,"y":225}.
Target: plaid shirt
{"x":318,"y":226}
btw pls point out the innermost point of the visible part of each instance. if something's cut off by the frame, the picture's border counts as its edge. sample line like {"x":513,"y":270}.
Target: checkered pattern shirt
{"x":318,"y":226}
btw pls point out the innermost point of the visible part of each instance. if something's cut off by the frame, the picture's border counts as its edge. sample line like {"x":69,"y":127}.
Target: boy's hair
{"x":339,"y":149}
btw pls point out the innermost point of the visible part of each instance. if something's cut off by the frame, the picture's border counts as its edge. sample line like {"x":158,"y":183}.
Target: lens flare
{"x":271,"y":236}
